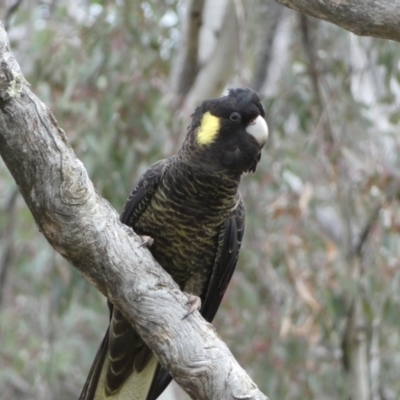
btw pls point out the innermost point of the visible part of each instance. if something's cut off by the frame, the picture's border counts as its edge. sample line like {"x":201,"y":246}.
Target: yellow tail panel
{"x":136,"y":387}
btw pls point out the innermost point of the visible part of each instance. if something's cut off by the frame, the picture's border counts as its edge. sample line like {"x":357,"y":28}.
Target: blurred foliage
{"x":103,"y":68}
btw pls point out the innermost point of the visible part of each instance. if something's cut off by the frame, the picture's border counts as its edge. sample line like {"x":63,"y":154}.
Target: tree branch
{"x":363,"y":17}
{"x":364,"y":235}
{"x":85,"y":229}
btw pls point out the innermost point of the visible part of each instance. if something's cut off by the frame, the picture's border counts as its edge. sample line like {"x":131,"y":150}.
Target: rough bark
{"x":363,"y":17}
{"x":85,"y":229}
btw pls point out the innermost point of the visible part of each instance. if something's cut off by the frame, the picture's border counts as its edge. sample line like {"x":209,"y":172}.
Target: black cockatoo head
{"x":229,"y":132}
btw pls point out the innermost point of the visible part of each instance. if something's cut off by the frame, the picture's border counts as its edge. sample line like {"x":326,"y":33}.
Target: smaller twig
{"x":357,"y":250}
{"x":355,"y":351}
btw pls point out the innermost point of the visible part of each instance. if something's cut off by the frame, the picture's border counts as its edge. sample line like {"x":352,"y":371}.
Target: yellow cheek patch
{"x":208,"y":129}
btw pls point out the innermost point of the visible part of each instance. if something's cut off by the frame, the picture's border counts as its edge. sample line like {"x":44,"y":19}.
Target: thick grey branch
{"x":378,"y":18}
{"x":85,"y":229}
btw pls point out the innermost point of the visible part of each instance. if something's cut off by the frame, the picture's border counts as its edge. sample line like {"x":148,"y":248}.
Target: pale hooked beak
{"x":258,"y":128}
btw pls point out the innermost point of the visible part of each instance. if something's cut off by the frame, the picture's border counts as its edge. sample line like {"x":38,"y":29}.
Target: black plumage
{"x":190,"y":205}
